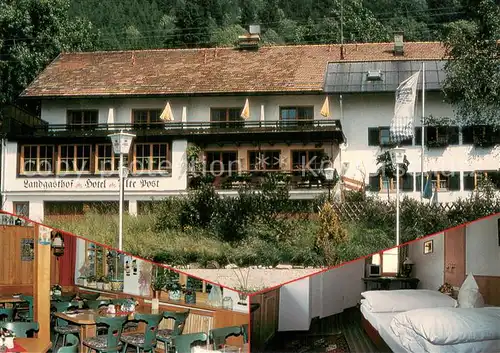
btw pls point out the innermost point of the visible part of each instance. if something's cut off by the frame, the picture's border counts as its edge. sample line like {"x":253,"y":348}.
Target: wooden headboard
{"x":489,"y":286}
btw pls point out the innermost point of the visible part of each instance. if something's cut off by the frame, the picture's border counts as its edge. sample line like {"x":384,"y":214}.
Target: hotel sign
{"x":84,"y":184}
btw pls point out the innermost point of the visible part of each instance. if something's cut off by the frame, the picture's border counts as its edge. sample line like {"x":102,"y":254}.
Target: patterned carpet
{"x":346,"y":324}
{"x":310,"y":343}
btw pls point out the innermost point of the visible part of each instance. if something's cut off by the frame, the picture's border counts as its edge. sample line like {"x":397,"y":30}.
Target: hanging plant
{"x":387,"y":168}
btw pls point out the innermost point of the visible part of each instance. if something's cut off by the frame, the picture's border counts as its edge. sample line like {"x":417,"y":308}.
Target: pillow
{"x":390,"y":301}
{"x":469,"y":295}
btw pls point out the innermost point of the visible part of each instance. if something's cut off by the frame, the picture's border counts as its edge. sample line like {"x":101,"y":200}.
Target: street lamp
{"x":121,"y":145}
{"x":398,"y":158}
{"x":329,"y":173}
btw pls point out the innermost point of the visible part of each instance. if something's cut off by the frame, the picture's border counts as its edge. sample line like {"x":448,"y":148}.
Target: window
{"x":82,"y":119}
{"x":264,"y":160}
{"x":389,"y":184}
{"x":219,"y":163}
{"x":310,"y":159}
{"x":226,"y":117}
{"x":146,"y":117}
{"x":106,"y":160}
{"x":291,"y":116}
{"x":75,"y":158}
{"x":152,"y":157}
{"x":388,"y":261}
{"x":22,"y":208}
{"x":36,"y":159}
{"x":381,"y":136}
{"x":480,"y":135}
{"x":438,"y":136}
{"x":472,"y":180}
{"x":444,"y":181}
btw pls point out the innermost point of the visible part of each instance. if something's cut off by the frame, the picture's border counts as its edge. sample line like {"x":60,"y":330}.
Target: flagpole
{"x":422,"y":147}
{"x":397,"y":204}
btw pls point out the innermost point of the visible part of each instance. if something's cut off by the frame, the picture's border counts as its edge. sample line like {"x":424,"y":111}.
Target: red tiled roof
{"x":299,"y":68}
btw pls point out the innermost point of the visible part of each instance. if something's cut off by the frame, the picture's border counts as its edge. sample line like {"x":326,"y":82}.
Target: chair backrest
{"x":29,"y":300}
{"x":64,"y":298}
{"x":179,"y":320}
{"x":96,"y":304}
{"x":244,"y":330}
{"x":115,"y":328}
{"x":73,"y":344}
{"x":61,"y":307}
{"x":183,"y":343}
{"x":152,"y":321}
{"x":20,"y":329}
{"x":218,"y":335}
{"x":6,"y":314}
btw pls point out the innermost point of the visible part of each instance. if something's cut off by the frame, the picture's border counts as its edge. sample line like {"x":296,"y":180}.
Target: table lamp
{"x":407,"y":267}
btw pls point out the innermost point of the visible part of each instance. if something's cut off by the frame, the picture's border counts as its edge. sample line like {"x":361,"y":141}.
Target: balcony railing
{"x":295,"y":179}
{"x":186,"y":128}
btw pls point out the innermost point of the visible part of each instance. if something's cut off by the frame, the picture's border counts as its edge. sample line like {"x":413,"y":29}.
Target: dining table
{"x":85,"y":318}
{"x":10,"y":299}
{"x":33,"y":345}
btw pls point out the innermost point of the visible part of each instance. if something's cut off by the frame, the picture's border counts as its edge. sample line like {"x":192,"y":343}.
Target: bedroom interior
{"x":330,"y":311}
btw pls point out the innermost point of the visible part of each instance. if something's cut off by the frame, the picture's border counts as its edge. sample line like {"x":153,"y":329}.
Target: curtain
{"x":67,"y":262}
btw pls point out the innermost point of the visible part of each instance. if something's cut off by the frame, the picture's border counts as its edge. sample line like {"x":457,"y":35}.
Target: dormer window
{"x":374,"y":75}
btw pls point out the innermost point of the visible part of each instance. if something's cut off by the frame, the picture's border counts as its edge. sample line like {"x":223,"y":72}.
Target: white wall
{"x":482,"y":247}
{"x":429,"y":268}
{"x":294,"y":306}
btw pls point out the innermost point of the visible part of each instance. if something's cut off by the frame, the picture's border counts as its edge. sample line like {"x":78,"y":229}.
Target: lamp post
{"x":329,"y":173}
{"x":397,"y":157}
{"x":121,"y":145}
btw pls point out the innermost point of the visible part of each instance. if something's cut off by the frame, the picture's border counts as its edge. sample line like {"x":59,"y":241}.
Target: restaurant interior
{"x":63,"y":293}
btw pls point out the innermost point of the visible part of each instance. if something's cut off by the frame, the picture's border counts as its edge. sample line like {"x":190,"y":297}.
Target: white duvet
{"x":449,"y":329}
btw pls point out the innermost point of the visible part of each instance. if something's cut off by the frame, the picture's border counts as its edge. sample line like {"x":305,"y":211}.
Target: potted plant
{"x":84,"y":273}
{"x":56,"y":290}
{"x":100,"y":283}
{"x":7,"y":338}
{"x":159,"y":282}
{"x":446,"y":289}
{"x":173,"y":286}
{"x":189,"y":293}
{"x":106,"y":283}
{"x":91,"y":281}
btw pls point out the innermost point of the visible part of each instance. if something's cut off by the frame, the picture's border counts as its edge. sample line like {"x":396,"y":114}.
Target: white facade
{"x":360,"y":112}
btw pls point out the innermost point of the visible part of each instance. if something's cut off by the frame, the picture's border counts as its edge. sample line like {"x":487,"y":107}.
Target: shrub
{"x":331,"y":234}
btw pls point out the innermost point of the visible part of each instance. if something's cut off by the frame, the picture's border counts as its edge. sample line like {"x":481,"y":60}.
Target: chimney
{"x":398,"y":43}
{"x":251,"y":39}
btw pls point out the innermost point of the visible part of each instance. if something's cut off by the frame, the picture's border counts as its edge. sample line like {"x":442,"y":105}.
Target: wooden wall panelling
{"x":489,"y":287}
{"x":454,"y":256}
{"x":15,"y":275}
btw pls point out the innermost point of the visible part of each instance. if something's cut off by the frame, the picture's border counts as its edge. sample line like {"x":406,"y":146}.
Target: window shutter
{"x":454,"y":181}
{"x":430,"y":134}
{"x":467,"y":135}
{"x":468,"y":181}
{"x":418,"y":136}
{"x":374,"y":181}
{"x":417,"y":182}
{"x":408,"y":182}
{"x":453,"y":133}
{"x":373,"y":136}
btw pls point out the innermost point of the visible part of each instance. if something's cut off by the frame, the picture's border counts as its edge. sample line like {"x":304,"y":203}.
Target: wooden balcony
{"x":230,"y":129}
{"x":294,"y":179}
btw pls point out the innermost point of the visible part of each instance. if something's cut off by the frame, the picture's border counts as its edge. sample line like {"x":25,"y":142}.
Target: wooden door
{"x":454,"y":256}
{"x":270,"y":313}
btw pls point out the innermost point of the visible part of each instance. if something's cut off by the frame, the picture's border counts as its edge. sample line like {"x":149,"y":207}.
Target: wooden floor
{"x":348,"y":323}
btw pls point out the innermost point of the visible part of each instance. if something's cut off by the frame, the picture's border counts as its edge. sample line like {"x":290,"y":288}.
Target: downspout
{"x":3,"y":144}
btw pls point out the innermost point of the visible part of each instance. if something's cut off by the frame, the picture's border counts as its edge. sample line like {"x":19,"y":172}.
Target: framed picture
{"x":27,"y":249}
{"x":428,"y":246}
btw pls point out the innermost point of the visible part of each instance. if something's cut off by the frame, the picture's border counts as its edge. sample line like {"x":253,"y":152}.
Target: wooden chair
{"x":73,"y":347}
{"x":89,"y":296}
{"x":218,"y":335}
{"x":96,"y":304}
{"x":143,"y":341}
{"x":62,"y":327}
{"x":6,"y":314}
{"x":20,"y":329}
{"x":166,"y":335}
{"x":111,"y":341}
{"x":244,"y":331}
{"x":28,"y":314}
{"x":183,"y":343}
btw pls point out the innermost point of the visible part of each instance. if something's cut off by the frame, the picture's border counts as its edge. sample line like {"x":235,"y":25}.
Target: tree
{"x":32,"y":33}
{"x":472,"y":84}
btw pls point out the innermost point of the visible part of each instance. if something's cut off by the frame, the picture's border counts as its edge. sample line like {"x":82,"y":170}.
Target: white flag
{"x":404,"y":109}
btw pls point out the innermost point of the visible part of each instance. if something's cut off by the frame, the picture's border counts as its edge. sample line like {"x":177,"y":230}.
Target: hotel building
{"x":64,"y":158}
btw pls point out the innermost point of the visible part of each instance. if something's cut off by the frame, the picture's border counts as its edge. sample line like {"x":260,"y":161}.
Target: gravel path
{"x":258,"y":279}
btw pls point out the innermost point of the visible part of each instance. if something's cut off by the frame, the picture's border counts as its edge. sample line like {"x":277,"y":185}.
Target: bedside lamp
{"x":407,"y":267}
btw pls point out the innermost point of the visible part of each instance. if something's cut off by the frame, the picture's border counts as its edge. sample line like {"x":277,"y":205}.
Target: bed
{"x":428,"y":321}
